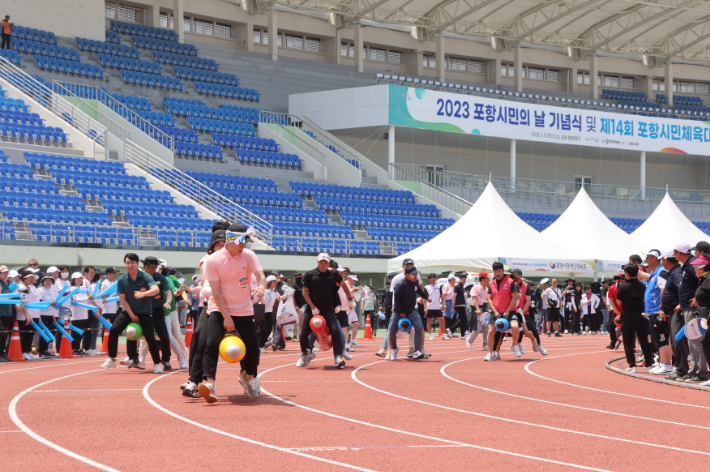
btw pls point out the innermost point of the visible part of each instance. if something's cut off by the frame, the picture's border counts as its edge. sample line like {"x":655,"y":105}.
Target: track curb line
{"x":608,"y":365}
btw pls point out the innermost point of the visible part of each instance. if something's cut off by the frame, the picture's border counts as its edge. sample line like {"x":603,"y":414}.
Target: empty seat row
{"x":383,"y":208}
{"x":352,"y":193}
{"x":291,"y":215}
{"x":201,"y":124}
{"x":127,"y":195}
{"x":400,"y":235}
{"x":134,"y":103}
{"x":8,"y":169}
{"x":185,"y":61}
{"x":623,"y":95}
{"x":164,"y":46}
{"x":206,"y":76}
{"x":107,"y":48}
{"x":57,"y":202}
{"x":315,"y":245}
{"x":277,"y":159}
{"x":179,"y":134}
{"x":89,"y":179}
{"x":245,"y":142}
{"x":69,"y":67}
{"x":134,"y":65}
{"x":49,"y":161}
{"x":314,"y":230}
{"x":228,"y":91}
{"x":36,"y":35}
{"x":274,"y":199}
{"x":681,"y":100}
{"x":113,"y":37}
{"x":205,"y":151}
{"x":140,"y":30}
{"x":157,"y":118}
{"x":35,"y":214}
{"x":12,"y":104}
{"x":236,"y":114}
{"x":147,"y":209}
{"x":42,"y":133}
{"x":48,"y":50}
{"x":368,"y":221}
{"x":20,"y":117}
{"x":231,"y":181}
{"x":11,"y":56}
{"x":151,"y":80}
{"x":24,"y":184}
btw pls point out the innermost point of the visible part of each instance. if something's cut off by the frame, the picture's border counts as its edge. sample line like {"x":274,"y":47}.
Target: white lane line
{"x":556,"y":404}
{"x":364,"y":448}
{"x":537,"y":425}
{"x":16,"y":419}
{"x":13,"y":431}
{"x":45,"y":366}
{"x":149,"y":399}
{"x":635,"y":397}
{"x":418,"y":435}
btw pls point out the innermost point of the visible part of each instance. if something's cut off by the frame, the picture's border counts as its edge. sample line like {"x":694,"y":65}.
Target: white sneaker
{"x":566,"y":331}
{"x":490,"y":357}
{"x":141,"y":364}
{"x":388,"y":356}
{"x":339,"y":362}
{"x":347,"y":356}
{"x":445,"y":337}
{"x":469,"y":344}
{"x":182,"y":362}
{"x":705,"y":384}
{"x":354,"y":343}
{"x":516,"y":350}
{"x":125,"y":361}
{"x":93,"y":352}
{"x":316,"y":348}
{"x":381,"y":353}
{"x":426,"y":354}
{"x":393,"y":354}
{"x":431,"y":337}
{"x":542,"y":350}
{"x":157,"y":369}
{"x":302,"y":360}
{"x":449,"y":333}
{"x":497,"y":354}
{"x":262,"y":350}
{"x":522,"y":349}
{"x":253,"y":387}
{"x":660,"y":369}
{"x":417,"y":355}
{"x":206,"y":391}
{"x":632,"y":370}
{"x":109,"y":364}
{"x":349,"y":349}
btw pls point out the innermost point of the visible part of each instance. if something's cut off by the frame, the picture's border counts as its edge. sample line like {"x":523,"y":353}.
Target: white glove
{"x":337,"y":309}
{"x":315,"y":311}
{"x":352,"y":304}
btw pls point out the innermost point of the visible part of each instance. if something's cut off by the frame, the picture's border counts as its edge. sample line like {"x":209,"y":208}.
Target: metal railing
{"x":56,"y":104}
{"x":286,"y":127}
{"x":420,"y":180}
{"x":330,"y":142}
{"x":97,"y":93}
{"x":112,"y":127}
{"x":195,"y":190}
{"x":599,"y":104}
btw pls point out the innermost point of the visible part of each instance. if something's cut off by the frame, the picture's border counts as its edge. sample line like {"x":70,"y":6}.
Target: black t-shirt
{"x":320,"y":287}
{"x":631,"y":294}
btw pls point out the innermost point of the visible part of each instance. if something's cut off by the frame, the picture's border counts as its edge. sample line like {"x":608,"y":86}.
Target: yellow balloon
{"x":232,"y":348}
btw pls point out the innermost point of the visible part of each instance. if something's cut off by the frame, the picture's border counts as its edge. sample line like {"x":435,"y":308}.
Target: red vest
{"x":501,"y":296}
{"x":523,"y":290}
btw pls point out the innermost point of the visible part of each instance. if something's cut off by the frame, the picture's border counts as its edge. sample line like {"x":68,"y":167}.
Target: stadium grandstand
{"x":362,"y":129}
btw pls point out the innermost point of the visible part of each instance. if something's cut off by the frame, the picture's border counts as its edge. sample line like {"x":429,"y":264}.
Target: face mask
{"x":64,"y":275}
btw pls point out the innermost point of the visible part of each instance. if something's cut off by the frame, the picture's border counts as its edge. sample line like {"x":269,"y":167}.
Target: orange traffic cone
{"x":104,"y":343}
{"x":14,"y":353}
{"x":368,"y":329}
{"x":65,"y":351}
{"x":188,"y":331}
{"x":442,"y":330}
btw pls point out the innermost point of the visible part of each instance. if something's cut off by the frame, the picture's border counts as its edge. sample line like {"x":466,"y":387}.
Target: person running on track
{"x":405,"y":306}
{"x":503,"y":295}
{"x":528,"y":324}
{"x":433,"y":309}
{"x":479,"y":303}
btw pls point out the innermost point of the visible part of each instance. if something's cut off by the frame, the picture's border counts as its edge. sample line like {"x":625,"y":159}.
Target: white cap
{"x":13,"y":273}
{"x":654,"y":252}
{"x":341,"y":268}
{"x":683,"y":247}
{"x":353,"y":276}
{"x":323,"y":256}
{"x":270,"y":279}
{"x":195,"y":276}
{"x":76,"y":275}
{"x":668,"y":253}
{"x":163,"y":262}
{"x":52,"y":269}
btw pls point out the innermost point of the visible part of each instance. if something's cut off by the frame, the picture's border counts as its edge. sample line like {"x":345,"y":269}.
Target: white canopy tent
{"x":488,"y":231}
{"x":666,"y":227}
{"x":585,"y":229}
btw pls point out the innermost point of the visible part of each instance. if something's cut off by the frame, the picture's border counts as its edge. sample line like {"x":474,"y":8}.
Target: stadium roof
{"x":657,"y":29}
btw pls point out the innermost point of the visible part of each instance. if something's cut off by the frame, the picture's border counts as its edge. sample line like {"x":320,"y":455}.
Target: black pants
{"x":680,"y":348}
{"x":461,"y":320}
{"x":123,"y":320}
{"x":530,"y":323}
{"x":635,"y":325}
{"x":195,"y":353}
{"x":83,"y":341}
{"x":194,"y":316}
{"x":6,"y":325}
{"x":611,"y":328}
{"x":706,"y":346}
{"x":265,"y":328}
{"x":6,"y":41}
{"x":214,"y":332}
{"x":48,"y":321}
{"x":26,"y":335}
{"x":161,"y":329}
{"x":575,"y":326}
{"x":332,"y":324}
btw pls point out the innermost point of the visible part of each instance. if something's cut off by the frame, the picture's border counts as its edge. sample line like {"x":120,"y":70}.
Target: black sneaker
{"x":167,"y":367}
{"x":696,"y":378}
{"x":686,"y":378}
{"x":133,"y":363}
{"x":558,"y":335}
{"x":673,"y":376}
{"x":45,"y":356}
{"x":610,"y":346}
{"x":190,"y":393}
{"x":549,"y":334}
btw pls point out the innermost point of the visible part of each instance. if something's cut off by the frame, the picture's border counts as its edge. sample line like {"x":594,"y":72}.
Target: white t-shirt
{"x":28,"y":295}
{"x":109,"y":307}
{"x":48,"y":295}
{"x":434,"y":295}
{"x":79,"y":312}
{"x":63,"y":287}
{"x":553,"y":294}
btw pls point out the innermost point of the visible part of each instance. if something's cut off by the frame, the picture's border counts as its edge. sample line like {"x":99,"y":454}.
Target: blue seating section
{"x":58,"y":52}
{"x":11,"y":171}
{"x":290,"y":215}
{"x":353,"y":193}
{"x":650,"y":105}
{"x":202,"y":151}
{"x":69,"y":67}
{"x":316,"y":245}
{"x":382,"y":208}
{"x":151,"y":80}
{"x":140,"y":30}
{"x":164,"y":46}
{"x":229,"y":181}
{"x":401,"y":235}
{"x":245,"y":142}
{"x":198,"y":109}
{"x":134,"y":103}
{"x":157,"y":118}
{"x":113,"y":37}
{"x":353,"y":162}
{"x":201,"y":124}
{"x":247,"y":190}
{"x":14,"y":104}
{"x":681,"y":100}
{"x":31,"y":34}
{"x":107,"y":48}
{"x":129,"y":209}
{"x":185,"y":61}
{"x":206,"y":76}
{"x":11,"y":56}
{"x":37,"y":134}
{"x":539,"y":221}
{"x":87,"y":179}
{"x":179,"y":134}
{"x":692,"y":108}
{"x":20,"y":117}
{"x":133,"y":65}
{"x":395,"y":222}
{"x":277,"y":159}
{"x":621,"y":95}
{"x":57,"y":232}
{"x":314,"y":230}
{"x":227,"y":91}
{"x":49,"y":162}
{"x":628,"y":224}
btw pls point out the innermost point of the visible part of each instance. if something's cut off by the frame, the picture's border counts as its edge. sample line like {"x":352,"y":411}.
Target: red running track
{"x":451,"y":412}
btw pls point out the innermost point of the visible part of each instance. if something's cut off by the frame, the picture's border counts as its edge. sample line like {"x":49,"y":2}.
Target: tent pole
{"x":596,"y":266}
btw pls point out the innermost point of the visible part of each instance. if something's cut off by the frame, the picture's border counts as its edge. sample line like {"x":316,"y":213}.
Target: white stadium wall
{"x":68,"y":18}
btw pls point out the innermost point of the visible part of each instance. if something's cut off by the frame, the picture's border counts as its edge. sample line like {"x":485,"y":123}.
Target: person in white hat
{"x":7,"y":314}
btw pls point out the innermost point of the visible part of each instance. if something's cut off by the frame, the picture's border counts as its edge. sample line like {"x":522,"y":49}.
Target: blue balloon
{"x":502,"y":325}
{"x":680,"y":334}
{"x":404,"y":325}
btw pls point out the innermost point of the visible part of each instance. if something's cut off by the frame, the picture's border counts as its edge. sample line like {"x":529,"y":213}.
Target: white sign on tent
{"x":549,"y":266}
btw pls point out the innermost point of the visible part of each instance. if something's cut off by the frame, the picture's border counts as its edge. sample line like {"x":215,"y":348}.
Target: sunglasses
{"x":232,"y":238}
